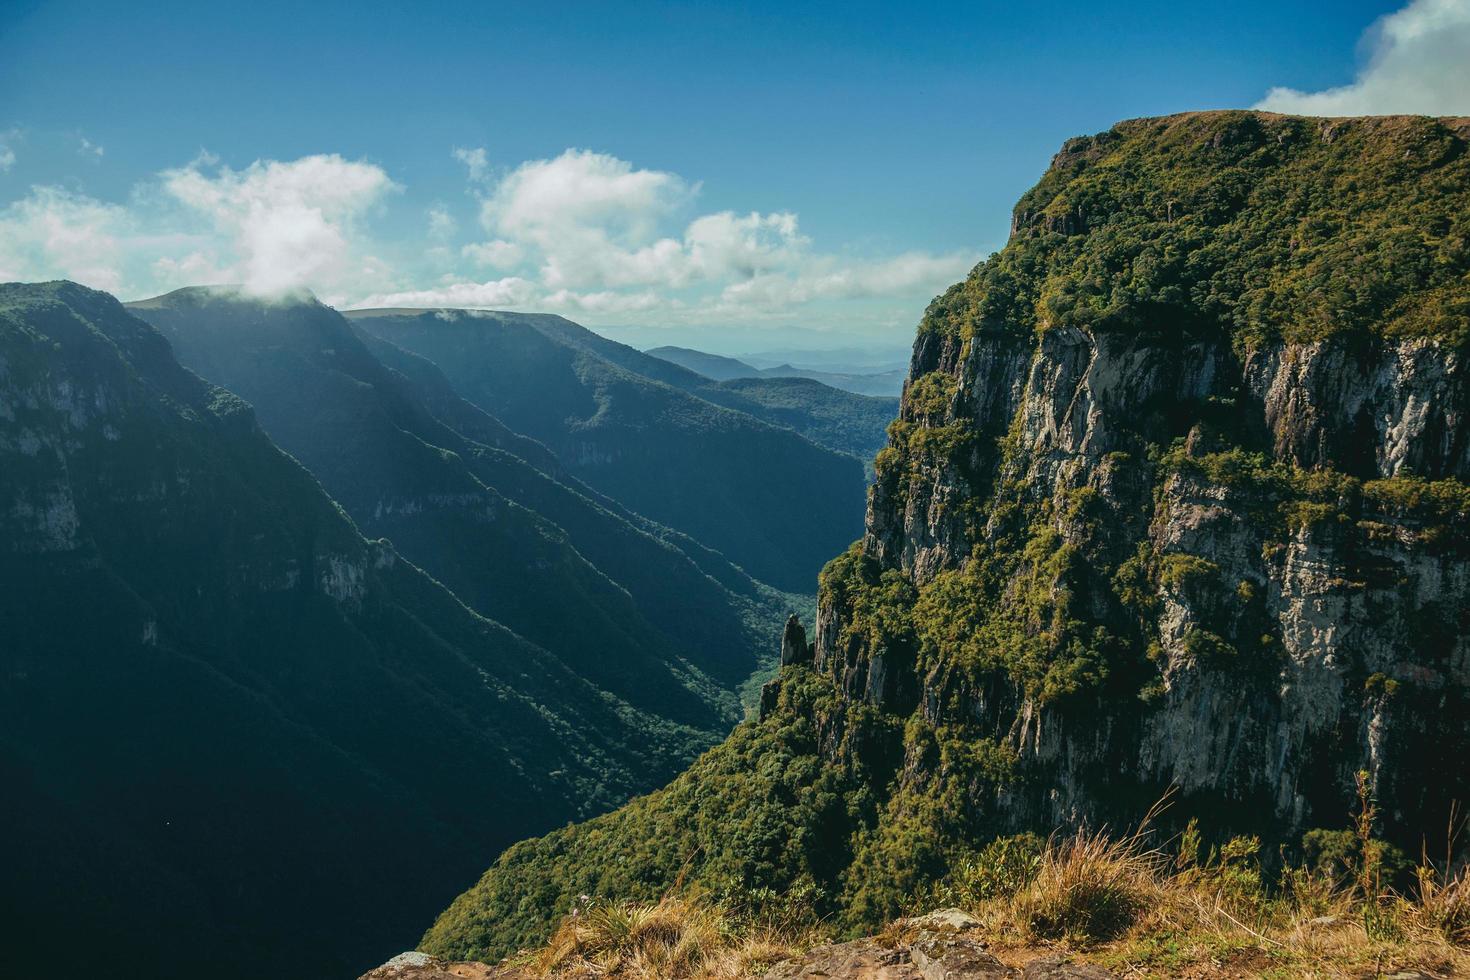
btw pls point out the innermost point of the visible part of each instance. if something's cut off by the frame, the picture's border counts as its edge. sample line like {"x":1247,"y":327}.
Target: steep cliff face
{"x":1299,"y":600}
{"x":1150,"y":548}
{"x":1176,"y":499}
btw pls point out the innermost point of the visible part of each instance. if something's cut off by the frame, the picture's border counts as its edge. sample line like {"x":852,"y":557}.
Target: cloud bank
{"x":289,"y":224}
{"x":1419,"y":63}
{"x":587,"y":233}
{"x":584,"y":233}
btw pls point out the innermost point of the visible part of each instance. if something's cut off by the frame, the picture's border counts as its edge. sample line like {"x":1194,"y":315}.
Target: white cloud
{"x":290,"y":224}
{"x":7,"y":149}
{"x":585,"y":234}
{"x":827,"y":279}
{"x":273,"y":226}
{"x":54,"y":233}
{"x":1419,"y":64}
{"x":744,"y":246}
{"x":494,"y":254}
{"x":592,"y":216}
{"x":512,"y":291}
{"x":89,"y":149}
{"x":441,"y":223}
{"x":589,"y":234}
{"x":67,"y":235}
{"x":609,"y":301}
{"x":476,"y":161}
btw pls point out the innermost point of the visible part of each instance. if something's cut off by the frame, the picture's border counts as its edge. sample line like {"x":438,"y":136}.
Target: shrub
{"x":998,"y":870}
{"x":1088,"y":887}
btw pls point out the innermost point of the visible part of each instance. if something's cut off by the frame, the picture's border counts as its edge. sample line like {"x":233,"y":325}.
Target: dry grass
{"x":673,"y":938}
{"x":1147,"y":912}
{"x":1140,"y":909}
{"x":1087,"y":887}
{"x":1442,"y":906}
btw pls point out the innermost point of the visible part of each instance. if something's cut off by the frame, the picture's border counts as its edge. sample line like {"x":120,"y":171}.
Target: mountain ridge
{"x":650,"y":631}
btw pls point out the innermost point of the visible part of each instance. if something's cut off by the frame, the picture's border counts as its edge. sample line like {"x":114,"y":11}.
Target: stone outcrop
{"x":414,"y":965}
{"x":1335,"y":634}
{"x":943,"y":945}
{"x":1176,"y":506}
{"x":794,"y":647}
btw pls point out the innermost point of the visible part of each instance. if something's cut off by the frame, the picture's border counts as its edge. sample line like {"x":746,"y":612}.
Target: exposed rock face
{"x":794,"y":647}
{"x":421,"y":966}
{"x":943,"y":945}
{"x":1344,"y":626}
{"x":1251,"y":549}
{"x":1176,"y":501}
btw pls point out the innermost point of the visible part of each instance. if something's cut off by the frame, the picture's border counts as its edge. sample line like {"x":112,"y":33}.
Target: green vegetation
{"x":996,"y":653}
{"x":1284,"y":497}
{"x":1154,"y":907}
{"x":1255,"y":225}
{"x":875,"y":605}
{"x":623,"y":603}
{"x":1016,"y":614}
{"x":759,"y":815}
{"x":924,"y":824}
{"x":839,"y":420}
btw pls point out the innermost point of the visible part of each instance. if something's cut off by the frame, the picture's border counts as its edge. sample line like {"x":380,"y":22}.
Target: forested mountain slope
{"x":1177,"y":501}
{"x":442,"y":480}
{"x":849,"y":423}
{"x":229,"y":722}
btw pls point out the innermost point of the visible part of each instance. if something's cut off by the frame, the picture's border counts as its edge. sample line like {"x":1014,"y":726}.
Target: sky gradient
{"x":739,"y":174}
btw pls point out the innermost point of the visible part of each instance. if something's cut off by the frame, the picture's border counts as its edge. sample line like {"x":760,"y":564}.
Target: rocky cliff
{"x":1149,"y":548}
{"x":1174,"y":503}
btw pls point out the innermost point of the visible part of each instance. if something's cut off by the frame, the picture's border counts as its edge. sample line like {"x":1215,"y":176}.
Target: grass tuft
{"x":675,"y":937}
{"x":1088,"y":888}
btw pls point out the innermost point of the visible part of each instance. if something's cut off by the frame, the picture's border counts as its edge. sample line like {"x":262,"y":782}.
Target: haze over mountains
{"x":545,"y":556}
{"x":885,"y":382}
{"x":287,"y":704}
{"x":227,"y":712}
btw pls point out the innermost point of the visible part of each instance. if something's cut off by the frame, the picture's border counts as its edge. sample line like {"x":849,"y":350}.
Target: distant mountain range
{"x":454,"y":489}
{"x":650,"y":434}
{"x":885,"y":383}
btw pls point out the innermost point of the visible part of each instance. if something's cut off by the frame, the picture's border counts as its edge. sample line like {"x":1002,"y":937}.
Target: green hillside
{"x":237,"y":724}
{"x":840,"y":420}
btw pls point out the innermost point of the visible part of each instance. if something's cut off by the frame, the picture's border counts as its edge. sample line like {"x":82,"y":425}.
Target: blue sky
{"x":728,"y":171}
